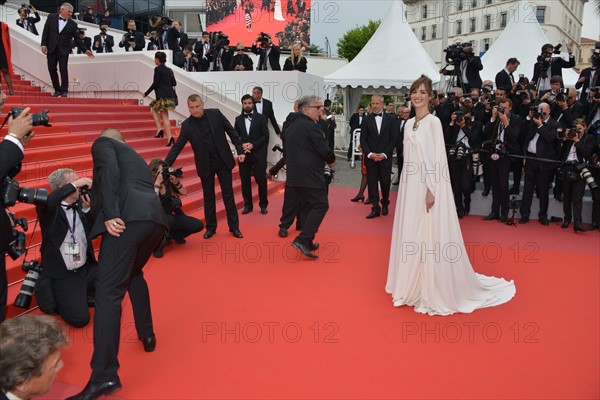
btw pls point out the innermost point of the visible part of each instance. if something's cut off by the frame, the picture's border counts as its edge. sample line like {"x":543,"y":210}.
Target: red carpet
{"x":250,"y":319}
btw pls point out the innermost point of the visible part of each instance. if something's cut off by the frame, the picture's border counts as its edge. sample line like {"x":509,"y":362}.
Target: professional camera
{"x":26,"y":7}
{"x":84,"y":190}
{"x":547,"y":58}
{"x":522,"y":94}
{"x":33,"y":269}
{"x":455,"y":53}
{"x":595,"y":91}
{"x":458,"y":151}
{"x":586,"y":175}
{"x":129,"y":37}
{"x":562,"y":94}
{"x":17,"y":247}
{"x":537,"y":111}
{"x":159,"y":21}
{"x":329,"y":174}
{"x":567,"y":134}
{"x":263,"y":39}
{"x":167,"y":172}
{"x":11,"y":193}
{"x":81,"y":30}
{"x":514,"y":203}
{"x":500,"y":110}
{"x":218,"y":40}
{"x":39,"y":119}
{"x":459,"y":116}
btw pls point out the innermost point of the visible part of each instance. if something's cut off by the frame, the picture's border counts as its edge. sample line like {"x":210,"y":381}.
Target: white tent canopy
{"x":522,"y":38}
{"x":393,"y":58}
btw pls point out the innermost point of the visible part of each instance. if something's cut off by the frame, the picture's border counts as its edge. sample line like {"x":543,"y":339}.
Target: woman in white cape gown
{"x":429,"y":267}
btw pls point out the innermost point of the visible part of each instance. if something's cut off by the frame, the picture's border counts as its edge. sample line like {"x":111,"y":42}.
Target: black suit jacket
{"x":61,"y":42}
{"x":546,"y":144}
{"x":556,"y":67}
{"x":244,"y":60}
{"x":172,"y":40}
{"x":87,"y":41}
{"x":306,"y":152}
{"x":268,"y":112}
{"x":354,"y":122}
{"x":139,"y":43}
{"x":109,"y":42}
{"x":273,"y":59}
{"x":503,"y":81}
{"x":511,"y":133}
{"x":383,"y":142}
{"x":400,"y":124}
{"x":301,"y":65}
{"x":122,"y":183}
{"x":473,"y":68}
{"x":163,"y":83}
{"x":258,"y":135}
{"x":580,"y":148}
{"x":55,"y":226}
{"x":587,"y":74}
{"x":10,"y":157}
{"x":31,"y":21}
{"x":218,"y":126}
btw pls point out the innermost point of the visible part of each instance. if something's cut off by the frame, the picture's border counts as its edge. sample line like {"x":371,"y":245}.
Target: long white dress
{"x":429,"y":267}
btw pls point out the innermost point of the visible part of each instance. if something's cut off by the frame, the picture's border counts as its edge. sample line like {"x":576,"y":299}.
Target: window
{"x":459,"y":27}
{"x":488,"y":2}
{"x":540,"y":14}
{"x":503,"y":18}
{"x":486,"y":44}
{"x":473,"y":23}
{"x":434,"y":31}
{"x":488,"y":22}
{"x":474,"y":4}
{"x":460,"y":5}
{"x":424,"y":11}
{"x":424,"y":33}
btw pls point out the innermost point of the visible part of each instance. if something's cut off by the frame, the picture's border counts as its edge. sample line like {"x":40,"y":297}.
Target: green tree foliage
{"x":355,"y":39}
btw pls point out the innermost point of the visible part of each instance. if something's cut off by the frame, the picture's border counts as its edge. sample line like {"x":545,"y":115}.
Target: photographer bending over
{"x":169,"y":189}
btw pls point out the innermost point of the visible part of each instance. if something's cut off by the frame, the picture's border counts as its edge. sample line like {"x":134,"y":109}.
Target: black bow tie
{"x":249,"y":116}
{"x":257,"y":102}
{"x":378,"y":114}
{"x":62,"y":19}
{"x":70,"y":206}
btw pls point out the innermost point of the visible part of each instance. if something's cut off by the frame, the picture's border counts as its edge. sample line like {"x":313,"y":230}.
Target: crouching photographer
{"x":11,"y":154}
{"x":169,"y":189}
{"x":69,"y":267}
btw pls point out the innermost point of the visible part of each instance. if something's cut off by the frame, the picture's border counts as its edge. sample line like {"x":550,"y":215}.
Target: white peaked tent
{"x":522,"y":38}
{"x":393,"y":58}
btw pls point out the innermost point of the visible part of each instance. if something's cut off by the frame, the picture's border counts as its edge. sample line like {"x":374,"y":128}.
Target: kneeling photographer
{"x":573,"y":156}
{"x":463,"y":136}
{"x":169,"y":189}
{"x":68,"y":260}
{"x":11,"y":154}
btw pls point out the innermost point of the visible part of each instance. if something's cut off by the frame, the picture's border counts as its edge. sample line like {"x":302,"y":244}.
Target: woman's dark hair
{"x":425,"y":81}
{"x":156,"y":165}
{"x":161,"y":56}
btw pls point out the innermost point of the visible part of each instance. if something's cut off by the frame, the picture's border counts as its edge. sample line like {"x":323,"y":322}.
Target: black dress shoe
{"x":314,"y":246}
{"x":209,"y":234}
{"x":367,"y":201}
{"x":373,"y":214}
{"x":304,"y":250}
{"x":158,"y":253}
{"x":237,"y":233}
{"x":93,"y":390}
{"x":565,"y":224}
{"x":503,"y":219}
{"x":544,"y":221}
{"x":56,"y":94}
{"x":282,"y":232}
{"x":490,"y":216}
{"x":246,"y":210}
{"x":485,"y":192}
{"x":467,"y":210}
{"x":149,"y":343}
{"x":384,"y":210}
{"x":180,"y":241}
{"x":64,"y":94}
{"x":358,"y":198}
{"x":578,"y":228}
{"x":263,"y":211}
{"x":594,"y":226}
{"x":460,"y":214}
{"x":523,"y":220}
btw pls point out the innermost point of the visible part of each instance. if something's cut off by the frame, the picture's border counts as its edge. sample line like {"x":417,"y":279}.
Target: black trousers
{"x":292,"y":204}
{"x":573,"y":198}
{"x":182,"y":226}
{"x":537,"y":174}
{"x":461,"y":184}
{"x":3,"y":285}
{"x":487,"y":178}
{"x":258,"y":168}
{"x":71,"y":292}
{"x":218,"y":168}
{"x":499,"y":173}
{"x":596,"y":196}
{"x":379,"y":173}
{"x":55,"y":59}
{"x":120,"y":267}
{"x":516,"y":166}
{"x":314,"y":207}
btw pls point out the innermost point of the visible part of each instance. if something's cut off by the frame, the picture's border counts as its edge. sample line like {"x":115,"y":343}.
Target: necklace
{"x":416,"y":125}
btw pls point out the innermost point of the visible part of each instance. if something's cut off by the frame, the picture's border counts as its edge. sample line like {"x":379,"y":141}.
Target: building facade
{"x":482,"y":21}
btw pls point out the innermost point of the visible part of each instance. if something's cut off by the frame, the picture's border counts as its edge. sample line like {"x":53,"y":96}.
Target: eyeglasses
{"x":240,"y":49}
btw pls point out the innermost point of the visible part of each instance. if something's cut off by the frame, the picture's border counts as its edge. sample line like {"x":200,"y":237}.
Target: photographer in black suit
{"x":548,"y":66}
{"x":58,"y":32}
{"x":378,"y":137}
{"x":265,"y":107}
{"x":306,"y":153}
{"x":205,"y":129}
{"x":122,"y":182}
{"x":133,"y":40}
{"x":87,"y":41}
{"x":505,"y":78}
{"x":268,"y":53}
{"x":103,"y":43}
{"x":254,"y":134}
{"x":241,"y":61}
{"x":27,"y":22}
{"x":467,"y":69}
{"x":11,"y":154}
{"x":539,"y":143}
{"x":176,"y":41}
{"x":590,"y":77}
{"x":69,"y":264}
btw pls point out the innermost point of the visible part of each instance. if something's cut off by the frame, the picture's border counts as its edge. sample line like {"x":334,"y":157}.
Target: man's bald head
{"x":113,"y":133}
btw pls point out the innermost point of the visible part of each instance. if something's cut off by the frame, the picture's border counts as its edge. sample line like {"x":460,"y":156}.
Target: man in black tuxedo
{"x":307,"y":152}
{"x":501,"y":139}
{"x":176,"y":41}
{"x":548,"y":66}
{"x":87,"y":41}
{"x":122,"y":181}
{"x":11,"y":154}
{"x":539,"y":143}
{"x":467,"y":70}
{"x":132,"y":40}
{"x":103,"y":43}
{"x":354,"y":123}
{"x":329,"y":124}
{"x":58,"y":32}
{"x":205,"y":130}
{"x":265,"y":107}
{"x":590,"y":77}
{"x":202,"y":50}
{"x":67,"y":252}
{"x":268,"y":53}
{"x":254,"y":134}
{"x":505,"y":78}
{"x":26,"y":22}
{"x":378,"y":137}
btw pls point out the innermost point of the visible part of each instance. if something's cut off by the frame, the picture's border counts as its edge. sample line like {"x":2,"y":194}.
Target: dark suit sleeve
{"x":35,"y":19}
{"x":140,"y":41}
{"x":476,"y":63}
{"x":319,"y":144}
{"x":10,"y":156}
{"x":389,"y":149}
{"x":46,"y":31}
{"x":274,"y":121}
{"x":364,"y":143}
{"x":233,"y":136}
{"x":105,"y":163}
{"x":110,"y":42}
{"x":547,"y":133}
{"x":263,"y":138}
{"x":567,"y":64}
{"x":58,"y":195}
{"x":179,"y":144}
{"x":155,"y":82}
{"x":78,"y":42}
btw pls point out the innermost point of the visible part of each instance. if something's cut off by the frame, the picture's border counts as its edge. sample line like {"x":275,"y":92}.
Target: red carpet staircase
{"x":76,"y":123}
